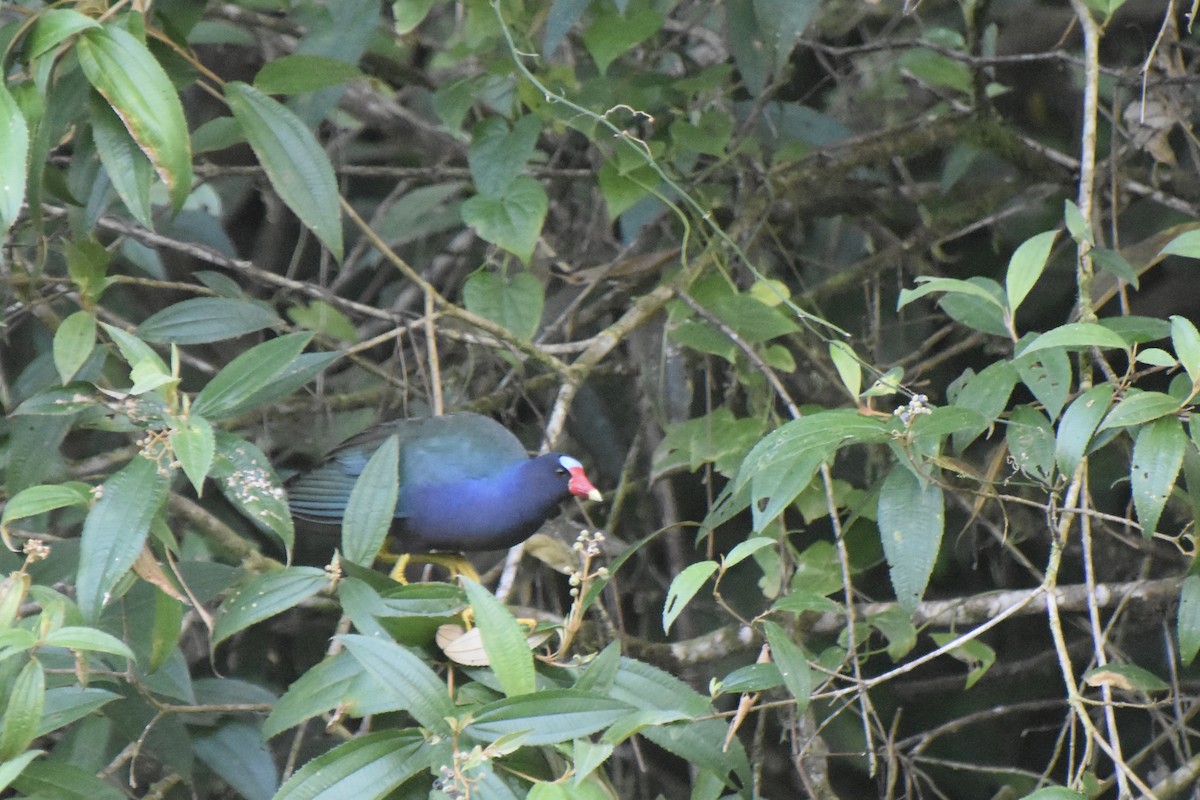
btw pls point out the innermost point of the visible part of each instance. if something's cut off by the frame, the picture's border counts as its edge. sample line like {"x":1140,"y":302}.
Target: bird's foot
{"x":453,"y":563}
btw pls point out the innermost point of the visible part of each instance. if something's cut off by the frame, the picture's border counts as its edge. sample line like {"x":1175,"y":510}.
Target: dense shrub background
{"x":874,"y":322}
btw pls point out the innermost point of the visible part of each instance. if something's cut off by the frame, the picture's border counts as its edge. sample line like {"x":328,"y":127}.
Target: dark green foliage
{"x":875,"y":324}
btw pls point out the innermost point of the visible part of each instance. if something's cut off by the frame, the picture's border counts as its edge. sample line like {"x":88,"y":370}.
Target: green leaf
{"x":54,"y":26}
{"x":13,"y":590}
{"x":1112,"y":261}
{"x":697,"y":741}
{"x":748,"y":44}
{"x":563,"y":16}
{"x":10,"y":770}
{"x":148,"y":376}
{"x":1157,"y":357}
{"x":503,"y":641}
{"x":1079,"y":228}
{"x":793,"y":666}
{"x":1138,"y":330}
{"x":290,"y":377}
{"x":1188,"y":620}
{"x":911,"y":520}
{"x":744,"y":550}
{"x":408,"y":14}
{"x":498,"y":155}
{"x":246,"y":478}
{"x":1030,"y":439}
{"x":371,"y":508}
{"x":1075,"y":334}
{"x":752,"y":678}
{"x":683,"y":588}
{"x":986,"y":393}
{"x":60,"y":780}
{"x":16,"y":640}
{"x":366,"y":768}
{"x":237,"y":753}
{"x":89,"y":640}
{"x":1186,"y":244}
{"x":32,"y":447}
{"x":157,"y":631}
{"x":974,"y":653}
{"x":116,"y":529}
{"x":952,"y":285}
{"x":297,"y":72}
{"x":133,"y":349}
{"x":718,"y":438}
{"x":127,"y":167}
{"x":511,"y":221}
{"x":546,"y":717}
{"x":321,"y":317}
{"x":413,"y":684}
{"x":231,"y":390}
{"x":265,"y":596}
{"x":1128,"y":677}
{"x":294,"y":161}
{"x":336,"y":681}
{"x":709,"y":136}
{"x":67,"y":704}
{"x":1157,"y":457}
{"x":623,"y":189}
{"x":641,"y":685}
{"x":24,"y":710}
{"x":1048,"y":376}
{"x":206,"y":319}
{"x":752,"y":319}
{"x":73,"y":343}
{"x":418,"y":600}
{"x":611,"y":35}
{"x":217,"y":134}
{"x":847,"y":366}
{"x":784,"y":21}
{"x":704,"y":337}
{"x":974,"y":312}
{"x":936,"y":69}
{"x":586,"y":757}
{"x":783,"y":463}
{"x":1105,"y":8}
{"x":1186,"y":341}
{"x":194,"y":446}
{"x":1077,"y":425}
{"x":886,"y":384}
{"x":897,"y":627}
{"x":1138,"y":407}
{"x":14,"y":159}
{"x":124,"y":72}
{"x":799,"y":602}
{"x":1055,"y":793}
{"x":514,"y":301}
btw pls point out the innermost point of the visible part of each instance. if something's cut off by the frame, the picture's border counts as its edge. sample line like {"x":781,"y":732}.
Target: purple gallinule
{"x":466,"y":484}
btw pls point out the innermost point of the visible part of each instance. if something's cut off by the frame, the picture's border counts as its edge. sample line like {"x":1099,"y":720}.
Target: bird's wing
{"x":433,"y":450}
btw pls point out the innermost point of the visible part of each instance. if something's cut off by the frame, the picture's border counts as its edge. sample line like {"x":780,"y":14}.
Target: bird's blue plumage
{"x":466,"y":483}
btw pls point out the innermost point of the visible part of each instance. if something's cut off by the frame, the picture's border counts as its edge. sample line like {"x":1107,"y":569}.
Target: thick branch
{"x":957,"y":613}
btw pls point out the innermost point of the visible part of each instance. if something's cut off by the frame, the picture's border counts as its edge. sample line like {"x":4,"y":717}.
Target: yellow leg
{"x":454,"y":563}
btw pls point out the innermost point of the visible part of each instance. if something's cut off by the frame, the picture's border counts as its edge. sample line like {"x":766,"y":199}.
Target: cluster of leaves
{"x":695,"y":157}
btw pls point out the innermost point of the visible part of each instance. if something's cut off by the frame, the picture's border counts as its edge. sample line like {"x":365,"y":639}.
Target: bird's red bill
{"x":580,"y":486}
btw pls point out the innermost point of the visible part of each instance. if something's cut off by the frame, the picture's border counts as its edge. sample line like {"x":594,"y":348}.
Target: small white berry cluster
{"x":918,"y":405}
{"x":156,"y":446}
{"x":588,"y":546}
{"x":35,"y":550}
{"x":447,"y":784}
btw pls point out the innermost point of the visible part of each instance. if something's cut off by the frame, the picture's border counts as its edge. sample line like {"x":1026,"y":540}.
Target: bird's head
{"x":577,"y":481}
